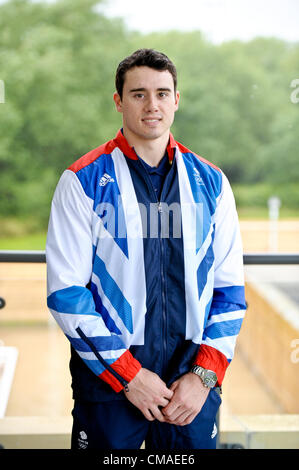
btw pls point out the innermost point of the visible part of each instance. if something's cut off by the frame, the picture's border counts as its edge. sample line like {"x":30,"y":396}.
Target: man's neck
{"x":152,"y":150}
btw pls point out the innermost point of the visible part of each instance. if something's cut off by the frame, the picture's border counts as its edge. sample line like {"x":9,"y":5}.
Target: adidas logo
{"x":106,"y":179}
{"x":197,"y":176}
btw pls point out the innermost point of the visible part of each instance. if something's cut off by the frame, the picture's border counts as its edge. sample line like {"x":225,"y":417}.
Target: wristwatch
{"x":208,"y":377}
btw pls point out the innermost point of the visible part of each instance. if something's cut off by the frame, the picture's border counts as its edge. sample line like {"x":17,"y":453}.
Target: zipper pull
{"x":160,"y":207}
{"x":126,"y":387}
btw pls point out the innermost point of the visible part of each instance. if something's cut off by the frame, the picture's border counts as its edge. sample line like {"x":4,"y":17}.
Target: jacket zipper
{"x":163,"y":286}
{"x":102,"y":361}
{"x":163,"y":296}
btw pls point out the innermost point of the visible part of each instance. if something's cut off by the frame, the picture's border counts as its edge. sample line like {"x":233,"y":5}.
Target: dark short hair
{"x":144,"y":57}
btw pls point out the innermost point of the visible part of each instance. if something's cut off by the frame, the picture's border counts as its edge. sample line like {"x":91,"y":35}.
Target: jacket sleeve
{"x":69,"y":255}
{"x":228,"y":303}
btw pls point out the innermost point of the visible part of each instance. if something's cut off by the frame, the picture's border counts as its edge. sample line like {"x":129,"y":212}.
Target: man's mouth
{"x":151,"y":119}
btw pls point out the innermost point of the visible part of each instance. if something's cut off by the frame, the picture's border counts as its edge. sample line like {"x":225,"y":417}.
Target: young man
{"x":145,"y":275}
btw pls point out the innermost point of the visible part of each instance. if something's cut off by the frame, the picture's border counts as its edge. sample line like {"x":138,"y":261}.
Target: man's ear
{"x":118,"y":102}
{"x":177,"y":99}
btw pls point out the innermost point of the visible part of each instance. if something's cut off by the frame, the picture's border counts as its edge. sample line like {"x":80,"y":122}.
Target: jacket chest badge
{"x":197,"y":177}
{"x":106,"y":179}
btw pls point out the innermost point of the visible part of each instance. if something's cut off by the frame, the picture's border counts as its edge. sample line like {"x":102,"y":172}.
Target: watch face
{"x":210,"y":378}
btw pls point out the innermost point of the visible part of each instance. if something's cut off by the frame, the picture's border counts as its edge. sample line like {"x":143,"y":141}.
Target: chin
{"x":154,"y":133}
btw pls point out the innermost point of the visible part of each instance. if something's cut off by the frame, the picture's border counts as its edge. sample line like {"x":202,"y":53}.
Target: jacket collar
{"x":122,"y":143}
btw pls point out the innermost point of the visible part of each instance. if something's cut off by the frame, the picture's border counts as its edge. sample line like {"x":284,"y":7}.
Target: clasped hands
{"x":178,"y":404}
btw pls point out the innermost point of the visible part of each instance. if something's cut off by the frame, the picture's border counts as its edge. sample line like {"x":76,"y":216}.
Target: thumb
{"x":174,"y":385}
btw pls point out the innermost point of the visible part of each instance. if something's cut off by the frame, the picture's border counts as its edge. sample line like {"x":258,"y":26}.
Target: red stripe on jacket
{"x":126,"y":366}
{"x":212,"y":359}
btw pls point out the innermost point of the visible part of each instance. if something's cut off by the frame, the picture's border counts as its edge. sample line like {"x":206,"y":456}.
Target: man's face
{"x":148,"y":104}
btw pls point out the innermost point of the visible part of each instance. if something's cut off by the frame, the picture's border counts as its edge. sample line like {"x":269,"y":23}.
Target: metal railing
{"x":39,"y":256}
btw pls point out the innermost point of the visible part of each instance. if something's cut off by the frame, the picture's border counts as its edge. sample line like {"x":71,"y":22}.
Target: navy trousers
{"x":118,"y":424}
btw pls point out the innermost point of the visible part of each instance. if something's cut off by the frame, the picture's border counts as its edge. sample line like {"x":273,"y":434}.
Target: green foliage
{"x":35,"y":241}
{"x":257,"y":195}
{"x":58,"y":62}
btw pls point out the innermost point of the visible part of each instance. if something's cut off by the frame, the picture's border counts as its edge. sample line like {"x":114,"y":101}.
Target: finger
{"x":171,"y":407}
{"x":168,"y":393}
{"x":163,"y":402}
{"x":174,"y":385}
{"x":157,"y":414}
{"x":175,"y":414}
{"x":188,"y":419}
{"x":148,"y":415}
{"x":182,"y":418}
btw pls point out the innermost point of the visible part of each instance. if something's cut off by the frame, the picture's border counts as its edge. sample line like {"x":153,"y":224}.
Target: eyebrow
{"x":144,"y":89}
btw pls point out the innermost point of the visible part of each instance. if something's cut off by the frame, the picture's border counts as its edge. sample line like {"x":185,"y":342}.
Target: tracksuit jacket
{"x":134,"y":281}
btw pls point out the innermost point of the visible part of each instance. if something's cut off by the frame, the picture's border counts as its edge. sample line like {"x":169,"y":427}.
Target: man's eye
{"x":163,"y":94}
{"x":139,"y":95}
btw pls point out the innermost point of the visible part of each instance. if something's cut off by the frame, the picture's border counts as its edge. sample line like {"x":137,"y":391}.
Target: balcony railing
{"x":39,"y":256}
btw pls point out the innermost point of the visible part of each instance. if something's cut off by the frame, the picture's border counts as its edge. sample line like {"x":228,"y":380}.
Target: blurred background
{"x":238,"y":75}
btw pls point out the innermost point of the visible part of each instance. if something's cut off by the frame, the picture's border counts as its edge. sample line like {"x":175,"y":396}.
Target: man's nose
{"x":151,"y":103}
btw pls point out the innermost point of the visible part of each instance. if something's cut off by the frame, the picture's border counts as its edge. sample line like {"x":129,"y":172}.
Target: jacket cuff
{"x":126,"y":366}
{"x":212,"y":359}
